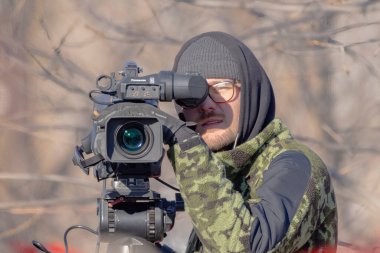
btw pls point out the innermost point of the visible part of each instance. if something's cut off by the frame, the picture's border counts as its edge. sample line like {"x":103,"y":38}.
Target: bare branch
{"x":21,"y":227}
{"x":64,"y":37}
{"x":327,"y":34}
{"x":53,"y":111}
{"x":54,"y":78}
{"x":48,"y":178}
{"x":284,"y":6}
{"x":338,"y":147}
{"x":371,"y":68}
{"x":156,"y":18}
{"x":351,"y":130}
{"x":46,"y":202}
{"x":131,"y":37}
{"x":353,"y":193}
{"x":126,"y":35}
{"x":24,"y":130}
{"x":44,"y":28}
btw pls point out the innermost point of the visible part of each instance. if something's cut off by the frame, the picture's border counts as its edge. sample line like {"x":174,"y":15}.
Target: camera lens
{"x":133,"y":138}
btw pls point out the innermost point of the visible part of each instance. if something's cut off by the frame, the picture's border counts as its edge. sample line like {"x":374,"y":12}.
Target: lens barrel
{"x":134,"y":139}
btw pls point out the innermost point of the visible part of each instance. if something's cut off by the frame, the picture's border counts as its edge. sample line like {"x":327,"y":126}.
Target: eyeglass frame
{"x":235,"y":83}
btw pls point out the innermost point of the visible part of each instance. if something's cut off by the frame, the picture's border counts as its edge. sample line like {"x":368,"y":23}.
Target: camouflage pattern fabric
{"x":218,"y":189}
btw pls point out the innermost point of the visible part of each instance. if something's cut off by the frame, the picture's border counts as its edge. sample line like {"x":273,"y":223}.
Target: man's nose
{"x":207,"y":105}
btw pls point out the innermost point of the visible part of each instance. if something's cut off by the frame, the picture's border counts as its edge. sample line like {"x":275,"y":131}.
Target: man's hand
{"x":171,"y":127}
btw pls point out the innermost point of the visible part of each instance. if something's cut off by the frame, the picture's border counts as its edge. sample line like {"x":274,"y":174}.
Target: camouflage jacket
{"x":241,"y":201}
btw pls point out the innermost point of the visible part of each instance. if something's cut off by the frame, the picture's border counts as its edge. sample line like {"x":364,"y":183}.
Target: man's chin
{"x":215,"y":142}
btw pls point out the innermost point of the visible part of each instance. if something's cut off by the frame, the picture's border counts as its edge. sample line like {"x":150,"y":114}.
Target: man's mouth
{"x":210,"y":122}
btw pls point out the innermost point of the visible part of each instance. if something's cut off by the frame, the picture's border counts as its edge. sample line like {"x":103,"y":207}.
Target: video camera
{"x":122,"y":133}
{"x":126,"y":143}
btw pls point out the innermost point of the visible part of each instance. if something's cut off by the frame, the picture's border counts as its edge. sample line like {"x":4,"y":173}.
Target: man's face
{"x":217,"y":120}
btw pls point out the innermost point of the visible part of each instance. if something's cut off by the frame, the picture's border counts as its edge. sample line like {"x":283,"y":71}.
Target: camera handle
{"x":85,"y":164}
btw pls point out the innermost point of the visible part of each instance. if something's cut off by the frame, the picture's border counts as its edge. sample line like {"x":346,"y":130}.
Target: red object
{"x":57,"y":247}
{"x":22,"y":247}
{"x":54,"y":247}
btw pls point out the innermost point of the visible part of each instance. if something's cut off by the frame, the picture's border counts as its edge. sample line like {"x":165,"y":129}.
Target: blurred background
{"x":322,"y":56}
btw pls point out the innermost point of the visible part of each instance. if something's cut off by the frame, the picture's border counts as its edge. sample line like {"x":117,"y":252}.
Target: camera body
{"x":126,"y":137}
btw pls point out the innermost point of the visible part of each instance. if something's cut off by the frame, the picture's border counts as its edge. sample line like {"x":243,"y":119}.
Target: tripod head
{"x":129,"y":207}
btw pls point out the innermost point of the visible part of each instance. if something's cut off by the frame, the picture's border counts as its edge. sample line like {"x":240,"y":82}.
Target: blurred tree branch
{"x":49,"y":75}
{"x":24,"y":130}
{"x":333,"y":146}
{"x":282,"y":6}
{"x":54,"y":178}
{"x":21,"y":227}
{"x":47,"y":202}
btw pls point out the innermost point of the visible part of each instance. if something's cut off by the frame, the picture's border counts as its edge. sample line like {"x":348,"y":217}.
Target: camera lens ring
{"x":140,"y":136}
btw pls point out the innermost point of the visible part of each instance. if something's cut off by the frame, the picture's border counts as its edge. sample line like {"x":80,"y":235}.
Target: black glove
{"x":174,"y":130}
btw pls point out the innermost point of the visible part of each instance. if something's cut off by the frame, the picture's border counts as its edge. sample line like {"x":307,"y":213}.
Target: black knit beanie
{"x":210,"y":58}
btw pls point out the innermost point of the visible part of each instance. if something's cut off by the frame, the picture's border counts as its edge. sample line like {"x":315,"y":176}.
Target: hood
{"x":256,"y":97}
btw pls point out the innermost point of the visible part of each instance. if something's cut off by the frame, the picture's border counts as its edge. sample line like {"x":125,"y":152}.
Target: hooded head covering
{"x":220,"y":55}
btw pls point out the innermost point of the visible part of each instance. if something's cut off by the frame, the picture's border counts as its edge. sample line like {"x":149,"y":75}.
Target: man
{"x":248,"y":185}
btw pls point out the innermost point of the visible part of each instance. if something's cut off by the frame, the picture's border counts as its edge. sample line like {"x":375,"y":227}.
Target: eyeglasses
{"x":224,"y":91}
{"x":221,"y":92}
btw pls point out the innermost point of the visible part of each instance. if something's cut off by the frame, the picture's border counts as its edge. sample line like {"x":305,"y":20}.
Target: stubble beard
{"x":218,"y":139}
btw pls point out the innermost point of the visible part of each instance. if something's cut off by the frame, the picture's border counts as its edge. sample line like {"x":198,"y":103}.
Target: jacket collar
{"x":238,"y":160}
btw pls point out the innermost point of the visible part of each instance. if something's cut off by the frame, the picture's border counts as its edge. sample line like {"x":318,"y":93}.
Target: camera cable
{"x":166,"y":184}
{"x":75,"y":227}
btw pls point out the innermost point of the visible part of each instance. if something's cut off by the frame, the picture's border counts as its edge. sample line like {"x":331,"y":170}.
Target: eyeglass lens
{"x":222,"y":91}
